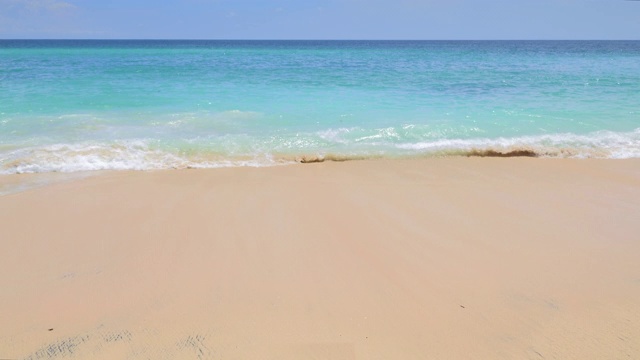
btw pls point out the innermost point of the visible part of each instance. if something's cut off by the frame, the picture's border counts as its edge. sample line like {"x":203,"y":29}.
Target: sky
{"x":320,"y":19}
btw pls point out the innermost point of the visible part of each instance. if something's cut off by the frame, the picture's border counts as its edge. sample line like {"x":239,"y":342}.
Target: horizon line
{"x":318,"y":39}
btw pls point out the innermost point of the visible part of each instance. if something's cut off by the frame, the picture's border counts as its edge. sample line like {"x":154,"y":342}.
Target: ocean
{"x":82,"y":105}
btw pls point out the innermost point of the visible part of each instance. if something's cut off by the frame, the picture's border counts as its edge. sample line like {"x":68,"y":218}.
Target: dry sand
{"x":418,"y":259}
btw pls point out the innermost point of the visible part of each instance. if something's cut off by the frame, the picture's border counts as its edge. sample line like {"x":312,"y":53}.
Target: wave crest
{"x":245,"y":150}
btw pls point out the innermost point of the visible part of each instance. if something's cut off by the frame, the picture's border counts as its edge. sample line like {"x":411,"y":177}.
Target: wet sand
{"x":458,"y":258}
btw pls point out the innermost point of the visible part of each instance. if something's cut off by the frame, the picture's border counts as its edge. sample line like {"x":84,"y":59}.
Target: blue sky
{"x":321,"y":19}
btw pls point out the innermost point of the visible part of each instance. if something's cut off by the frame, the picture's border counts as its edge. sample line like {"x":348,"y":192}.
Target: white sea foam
{"x":338,"y":144}
{"x":335,"y":135}
{"x":386,"y":134}
{"x":122,"y":155}
{"x":602,"y":144}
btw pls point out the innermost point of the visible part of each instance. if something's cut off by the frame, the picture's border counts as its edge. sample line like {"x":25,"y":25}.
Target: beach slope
{"x":460,"y":258}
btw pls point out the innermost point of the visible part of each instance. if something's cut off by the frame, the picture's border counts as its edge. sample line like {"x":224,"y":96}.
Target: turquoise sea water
{"x":92,"y":105}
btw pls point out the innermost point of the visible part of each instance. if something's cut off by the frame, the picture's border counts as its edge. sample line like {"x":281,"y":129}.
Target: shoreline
{"x":14,"y":183}
{"x":457,"y":258}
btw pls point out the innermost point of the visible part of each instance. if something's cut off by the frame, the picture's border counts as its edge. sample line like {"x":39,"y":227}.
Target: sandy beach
{"x":452,"y":258}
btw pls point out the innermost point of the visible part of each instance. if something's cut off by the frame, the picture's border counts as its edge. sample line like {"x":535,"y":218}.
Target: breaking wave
{"x":122,"y":155}
{"x":601,"y":144}
{"x":328,"y":145}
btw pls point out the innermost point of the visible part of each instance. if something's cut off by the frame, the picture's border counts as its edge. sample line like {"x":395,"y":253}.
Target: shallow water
{"x":92,"y":105}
